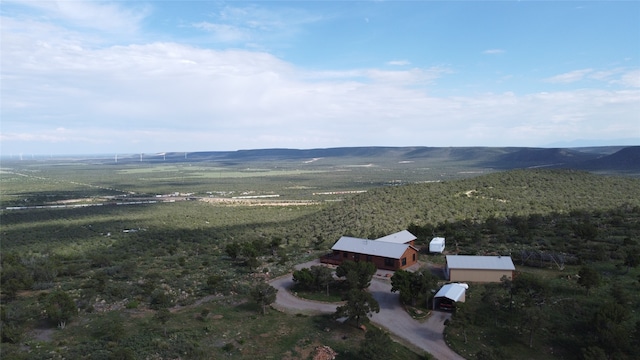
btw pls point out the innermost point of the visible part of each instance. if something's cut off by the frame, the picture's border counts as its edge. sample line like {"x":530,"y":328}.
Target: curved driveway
{"x":425,"y":335}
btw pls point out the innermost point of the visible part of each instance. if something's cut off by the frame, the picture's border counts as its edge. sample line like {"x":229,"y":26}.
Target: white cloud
{"x":99,"y":15}
{"x":493,"y":52}
{"x":234,"y":24}
{"x":615,"y":76}
{"x":570,"y":77}
{"x":398,"y":62}
{"x":224,"y":32}
{"x":630,"y":79}
{"x":66,"y":90}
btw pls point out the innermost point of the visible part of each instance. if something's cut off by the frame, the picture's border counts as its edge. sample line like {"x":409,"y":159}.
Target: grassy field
{"x":42,"y":181}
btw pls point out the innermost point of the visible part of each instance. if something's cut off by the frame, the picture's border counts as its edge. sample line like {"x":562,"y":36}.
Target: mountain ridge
{"x":618,"y":158}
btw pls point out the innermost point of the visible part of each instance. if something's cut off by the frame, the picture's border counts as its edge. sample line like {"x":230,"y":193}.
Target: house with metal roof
{"x":478,"y":268}
{"x":393,"y":253}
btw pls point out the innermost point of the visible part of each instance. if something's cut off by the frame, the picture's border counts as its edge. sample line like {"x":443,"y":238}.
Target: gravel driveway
{"x":425,"y":335}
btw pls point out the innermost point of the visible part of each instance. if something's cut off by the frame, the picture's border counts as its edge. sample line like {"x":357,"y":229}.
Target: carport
{"x":448,"y":295}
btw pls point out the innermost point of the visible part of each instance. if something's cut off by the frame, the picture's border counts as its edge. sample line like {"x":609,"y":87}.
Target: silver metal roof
{"x":480,"y":262}
{"x":401,"y":237}
{"x":370,"y":247}
{"x":452,"y":291}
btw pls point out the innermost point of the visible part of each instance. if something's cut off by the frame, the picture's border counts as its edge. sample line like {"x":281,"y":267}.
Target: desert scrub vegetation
{"x":123,"y":265}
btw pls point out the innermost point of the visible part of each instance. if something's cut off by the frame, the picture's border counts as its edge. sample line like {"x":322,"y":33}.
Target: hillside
{"x":518,"y":192}
{"x":503,"y":158}
{"x":120,"y":265}
{"x":627,"y":159}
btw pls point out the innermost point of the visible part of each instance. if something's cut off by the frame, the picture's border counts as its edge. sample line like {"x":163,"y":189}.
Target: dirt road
{"x":425,"y":335}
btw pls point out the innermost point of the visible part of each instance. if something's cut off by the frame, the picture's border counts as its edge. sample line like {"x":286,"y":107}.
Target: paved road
{"x":425,"y":335}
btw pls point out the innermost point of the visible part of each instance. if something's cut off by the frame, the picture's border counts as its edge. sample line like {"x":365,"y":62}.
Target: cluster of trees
{"x":414,"y":287}
{"x":501,"y":196}
{"x":314,"y":278}
{"x":354,"y":279}
{"x":250,"y":250}
{"x":589,"y":327}
{"x":25,"y":273}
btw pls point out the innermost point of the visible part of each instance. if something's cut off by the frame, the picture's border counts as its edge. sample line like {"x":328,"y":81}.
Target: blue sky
{"x":83,"y":77}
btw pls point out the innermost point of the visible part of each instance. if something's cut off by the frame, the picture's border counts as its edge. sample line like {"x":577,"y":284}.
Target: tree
{"x":60,"y":308}
{"x":252,"y":263}
{"x":530,"y":288}
{"x":323,"y":277}
{"x":413,"y":286}
{"x":377,"y":345}
{"x":357,"y":273}
{"x":264,"y":295}
{"x":594,"y":353}
{"x":462,"y":319}
{"x":507,"y":284}
{"x":108,"y":327}
{"x":11,"y":288}
{"x":359,"y":305}
{"x":163,"y":315}
{"x":214,"y":282}
{"x":274,"y":244}
{"x":632,"y":258}
{"x":588,"y":278}
{"x":533,"y":318}
{"x":233,"y":250}
{"x":304,"y":278}
{"x":14,"y":277}
{"x":314,"y":278}
{"x":160,"y":299}
{"x":401,"y":281}
{"x":609,"y":325}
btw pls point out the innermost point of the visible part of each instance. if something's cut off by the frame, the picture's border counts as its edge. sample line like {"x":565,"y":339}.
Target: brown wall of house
{"x":411,"y":256}
{"x":478,"y":275}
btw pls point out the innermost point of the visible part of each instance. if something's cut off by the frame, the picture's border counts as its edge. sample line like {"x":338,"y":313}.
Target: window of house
{"x":388,"y":262}
{"x":404,"y":261}
{"x":369,"y":258}
{"x":356,"y":257}
{"x":345,"y":254}
{"x":414,"y":257}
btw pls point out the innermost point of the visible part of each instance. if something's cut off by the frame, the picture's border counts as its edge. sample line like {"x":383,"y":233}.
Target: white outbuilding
{"x":448,"y":295}
{"x":436,"y":245}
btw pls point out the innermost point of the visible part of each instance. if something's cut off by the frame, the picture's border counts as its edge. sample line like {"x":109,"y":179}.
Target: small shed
{"x":448,"y":295}
{"x":436,"y":245}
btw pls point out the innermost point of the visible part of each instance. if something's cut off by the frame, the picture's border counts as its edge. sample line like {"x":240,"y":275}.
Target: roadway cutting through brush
{"x":423,"y":335}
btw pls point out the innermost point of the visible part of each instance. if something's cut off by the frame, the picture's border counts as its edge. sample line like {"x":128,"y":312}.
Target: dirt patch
{"x":258,"y":202}
{"x":324,"y":353}
{"x":42,"y":332}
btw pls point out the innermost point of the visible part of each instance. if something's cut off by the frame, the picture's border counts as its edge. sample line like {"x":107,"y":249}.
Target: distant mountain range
{"x":593,"y":159}
{"x":605,"y":158}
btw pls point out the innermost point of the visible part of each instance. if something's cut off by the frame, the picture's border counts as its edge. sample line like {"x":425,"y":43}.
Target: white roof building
{"x":401,"y":237}
{"x":454,"y":292}
{"x":436,"y":245}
